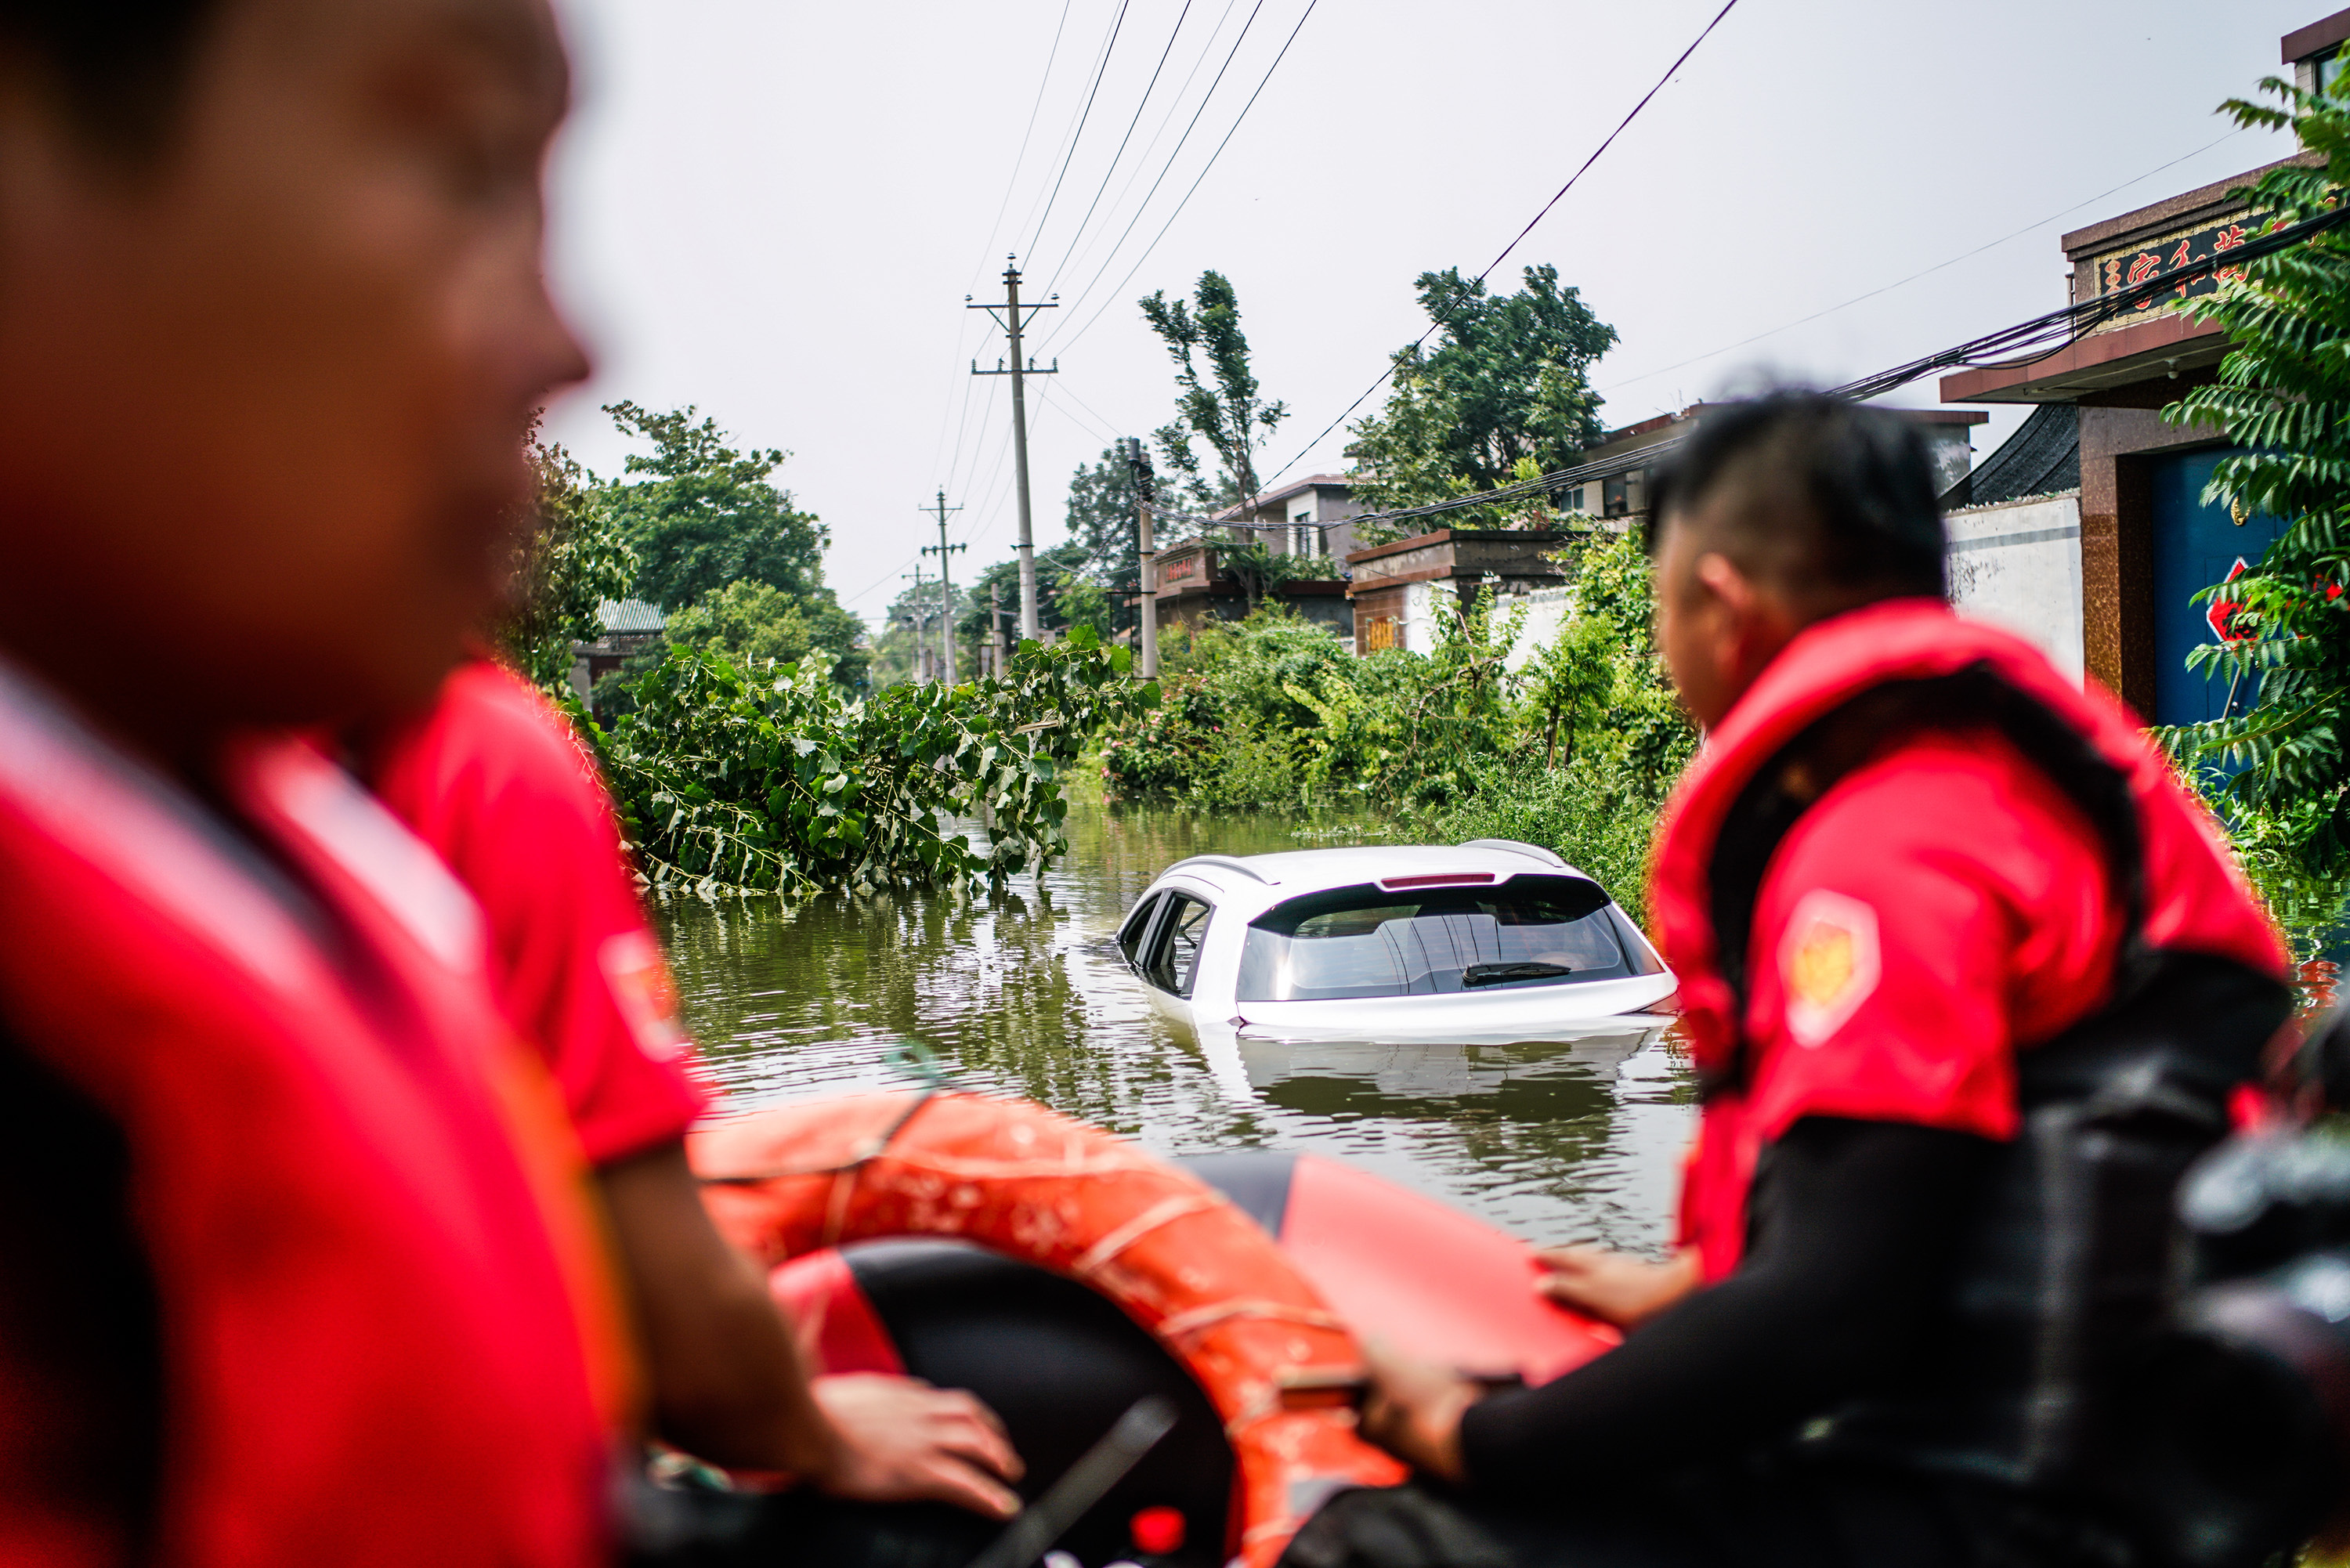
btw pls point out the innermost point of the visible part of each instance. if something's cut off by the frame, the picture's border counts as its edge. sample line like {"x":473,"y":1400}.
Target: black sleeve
{"x":1849,"y":1236}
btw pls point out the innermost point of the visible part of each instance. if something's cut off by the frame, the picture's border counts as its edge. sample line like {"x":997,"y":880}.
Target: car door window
{"x":1174,"y":953}
{"x":1138,"y":926}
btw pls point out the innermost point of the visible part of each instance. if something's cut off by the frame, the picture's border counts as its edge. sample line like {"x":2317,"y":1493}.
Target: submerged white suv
{"x":1488,"y":940}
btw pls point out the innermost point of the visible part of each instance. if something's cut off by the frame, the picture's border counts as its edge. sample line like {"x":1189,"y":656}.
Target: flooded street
{"x":1026,"y":994}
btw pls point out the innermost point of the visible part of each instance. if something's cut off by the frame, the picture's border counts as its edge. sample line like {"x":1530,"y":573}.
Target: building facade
{"x":2143,"y":543}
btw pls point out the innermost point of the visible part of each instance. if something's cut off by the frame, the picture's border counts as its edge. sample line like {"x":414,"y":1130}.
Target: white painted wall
{"x":1420,"y":608}
{"x":2017,"y":565}
{"x":1547,"y":613}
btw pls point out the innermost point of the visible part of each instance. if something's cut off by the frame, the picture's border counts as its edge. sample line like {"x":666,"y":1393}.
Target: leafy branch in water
{"x":781,"y":782}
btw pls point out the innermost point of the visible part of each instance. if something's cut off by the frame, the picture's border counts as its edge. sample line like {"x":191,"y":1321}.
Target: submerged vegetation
{"x":779,"y":782}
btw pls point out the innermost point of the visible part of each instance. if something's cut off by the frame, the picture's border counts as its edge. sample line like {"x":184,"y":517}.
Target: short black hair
{"x":1841,"y":493}
{"x":118,"y":68}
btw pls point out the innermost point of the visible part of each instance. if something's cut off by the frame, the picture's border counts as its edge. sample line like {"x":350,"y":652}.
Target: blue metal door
{"x":2195,"y":546}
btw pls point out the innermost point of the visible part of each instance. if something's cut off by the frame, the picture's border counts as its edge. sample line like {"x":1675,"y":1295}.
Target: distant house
{"x":1398,"y":590}
{"x":627,"y":625}
{"x":2088,"y":530}
{"x":1628,"y":459}
{"x":1306,"y":518}
{"x":1194,"y":586}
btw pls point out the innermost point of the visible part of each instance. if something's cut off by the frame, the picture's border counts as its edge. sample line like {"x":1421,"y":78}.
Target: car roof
{"x":1288,"y":873}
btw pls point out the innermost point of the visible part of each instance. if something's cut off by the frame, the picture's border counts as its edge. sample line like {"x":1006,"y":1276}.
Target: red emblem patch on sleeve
{"x":1828,"y":963}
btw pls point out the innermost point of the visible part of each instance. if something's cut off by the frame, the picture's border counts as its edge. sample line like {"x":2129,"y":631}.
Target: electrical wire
{"x":1913,"y":278}
{"x":2024,"y":344}
{"x":1109,"y":260}
{"x":1078,"y":233}
{"x":1219,"y":152}
{"x":1174,"y":107}
{"x":1101,"y":68}
{"x":1440,"y":321}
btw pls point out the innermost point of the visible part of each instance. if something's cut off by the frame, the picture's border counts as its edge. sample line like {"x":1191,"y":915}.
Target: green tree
{"x":570,"y":560}
{"x":1261,"y":569}
{"x":754,"y":623}
{"x":1222,"y":407}
{"x":2283,"y":390}
{"x":1066,"y":596}
{"x":781,"y":782}
{"x":702,"y":514}
{"x":1503,"y":394}
{"x":893,"y":652}
{"x":1101,"y":518}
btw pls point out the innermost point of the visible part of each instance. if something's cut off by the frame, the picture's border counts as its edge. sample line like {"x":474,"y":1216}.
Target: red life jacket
{"x":2061,"y":1269}
{"x":368,"y":1285}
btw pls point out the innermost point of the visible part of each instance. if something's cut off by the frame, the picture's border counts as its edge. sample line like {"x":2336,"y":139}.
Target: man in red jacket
{"x":293,"y":1269}
{"x":1967,"y":977}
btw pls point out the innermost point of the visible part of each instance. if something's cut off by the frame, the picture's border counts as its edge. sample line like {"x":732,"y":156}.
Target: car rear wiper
{"x":1498,"y":973}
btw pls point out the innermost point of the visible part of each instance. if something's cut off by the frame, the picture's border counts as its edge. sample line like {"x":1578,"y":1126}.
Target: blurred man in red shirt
{"x":494,"y":780}
{"x":294,"y":1268}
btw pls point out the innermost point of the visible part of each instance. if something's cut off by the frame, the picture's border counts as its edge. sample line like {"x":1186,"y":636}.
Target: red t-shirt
{"x":492,"y":779}
{"x":1938,"y":910}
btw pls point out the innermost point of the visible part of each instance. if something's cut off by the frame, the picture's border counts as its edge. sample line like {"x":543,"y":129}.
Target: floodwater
{"x":1024,"y":993}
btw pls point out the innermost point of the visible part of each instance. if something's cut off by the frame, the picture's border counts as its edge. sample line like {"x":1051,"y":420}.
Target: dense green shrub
{"x":1575,"y":751}
{"x":781,"y":782}
{"x":1581,"y":813}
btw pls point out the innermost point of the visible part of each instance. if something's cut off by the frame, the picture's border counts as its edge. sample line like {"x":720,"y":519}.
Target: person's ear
{"x":1733,"y":589}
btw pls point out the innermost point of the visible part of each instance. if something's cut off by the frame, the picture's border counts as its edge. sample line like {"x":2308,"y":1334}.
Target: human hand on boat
{"x":1615,"y":1287}
{"x":903,"y":1440}
{"x":1412,"y":1409}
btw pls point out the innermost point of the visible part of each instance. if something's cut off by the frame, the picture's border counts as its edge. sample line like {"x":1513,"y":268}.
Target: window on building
{"x":1571,"y":499}
{"x":1615,"y":496}
{"x":2328,"y":67}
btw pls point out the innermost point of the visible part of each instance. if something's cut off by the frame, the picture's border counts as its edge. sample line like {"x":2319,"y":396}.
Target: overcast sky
{"x":774,"y":211}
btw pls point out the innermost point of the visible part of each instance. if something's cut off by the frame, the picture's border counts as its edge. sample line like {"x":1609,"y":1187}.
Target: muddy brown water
{"x":1024,"y":993}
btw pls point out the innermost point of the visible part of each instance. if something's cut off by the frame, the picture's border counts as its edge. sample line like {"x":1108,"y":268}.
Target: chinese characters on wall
{"x":2193,"y":265}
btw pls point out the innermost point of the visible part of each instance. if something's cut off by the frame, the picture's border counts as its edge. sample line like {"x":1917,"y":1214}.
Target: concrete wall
{"x":2017,"y":565}
{"x":1546,"y":613}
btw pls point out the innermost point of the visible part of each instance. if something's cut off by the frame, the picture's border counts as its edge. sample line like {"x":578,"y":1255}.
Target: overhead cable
{"x":1442,"y":319}
{"x":1913,"y":278}
{"x":1110,"y":258}
{"x":1101,"y":68}
{"x":2044,"y":336}
{"x":1078,"y":233}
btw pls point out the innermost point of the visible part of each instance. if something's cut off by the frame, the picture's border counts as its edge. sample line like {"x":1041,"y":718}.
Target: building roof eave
{"x":2096,"y":363}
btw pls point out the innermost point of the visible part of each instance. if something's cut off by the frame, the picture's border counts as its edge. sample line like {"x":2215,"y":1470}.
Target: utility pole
{"x":1138,"y":464}
{"x":946,"y":587}
{"x":914,"y":618}
{"x":995,"y":627}
{"x":1014,"y":322}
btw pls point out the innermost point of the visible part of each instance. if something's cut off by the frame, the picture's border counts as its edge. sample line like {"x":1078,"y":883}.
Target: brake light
{"x":1439,"y":879}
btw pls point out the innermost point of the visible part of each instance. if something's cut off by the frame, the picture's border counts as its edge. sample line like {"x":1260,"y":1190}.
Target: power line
{"x":1440,"y":321}
{"x":1145,"y":103}
{"x":1174,"y":107}
{"x":1110,"y":260}
{"x":2024,"y":344}
{"x":1914,"y":276}
{"x":1101,"y":68}
{"x":1011,"y":183}
{"x":1219,"y":152}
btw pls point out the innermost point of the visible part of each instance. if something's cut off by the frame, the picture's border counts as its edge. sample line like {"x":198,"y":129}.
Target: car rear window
{"x":1426,"y":941}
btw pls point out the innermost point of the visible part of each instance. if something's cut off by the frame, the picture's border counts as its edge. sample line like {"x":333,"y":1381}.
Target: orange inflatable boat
{"x":1060,"y":1273}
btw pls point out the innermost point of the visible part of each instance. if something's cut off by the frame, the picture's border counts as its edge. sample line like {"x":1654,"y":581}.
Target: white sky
{"x":774,"y":210}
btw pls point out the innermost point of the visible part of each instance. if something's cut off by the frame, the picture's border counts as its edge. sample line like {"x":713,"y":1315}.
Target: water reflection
{"x":1024,"y":993}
